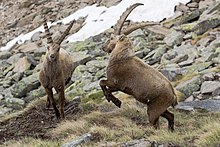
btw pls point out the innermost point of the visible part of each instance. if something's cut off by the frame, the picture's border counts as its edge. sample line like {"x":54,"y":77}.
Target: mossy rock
{"x":86,"y":45}
{"x":197,"y":67}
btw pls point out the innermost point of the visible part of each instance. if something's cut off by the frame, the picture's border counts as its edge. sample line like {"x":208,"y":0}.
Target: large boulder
{"x":189,"y":86}
{"x":26,"y":85}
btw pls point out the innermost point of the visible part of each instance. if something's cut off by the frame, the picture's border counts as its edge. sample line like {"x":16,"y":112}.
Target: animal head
{"x":110,"y":44}
{"x":53,"y":47}
{"x":122,"y":41}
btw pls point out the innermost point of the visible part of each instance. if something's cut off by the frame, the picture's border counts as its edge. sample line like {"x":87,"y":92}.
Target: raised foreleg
{"x":108,"y":88}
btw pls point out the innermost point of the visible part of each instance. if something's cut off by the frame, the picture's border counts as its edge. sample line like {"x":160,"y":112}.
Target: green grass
{"x":111,"y":124}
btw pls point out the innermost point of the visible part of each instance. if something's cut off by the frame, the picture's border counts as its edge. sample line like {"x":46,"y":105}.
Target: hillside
{"x":184,"y":47}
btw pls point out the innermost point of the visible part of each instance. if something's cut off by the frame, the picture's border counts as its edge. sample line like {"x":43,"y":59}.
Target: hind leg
{"x":170,"y":117}
{"x":153,"y":118}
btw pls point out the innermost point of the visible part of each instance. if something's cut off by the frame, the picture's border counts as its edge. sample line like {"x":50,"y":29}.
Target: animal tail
{"x":175,"y":102}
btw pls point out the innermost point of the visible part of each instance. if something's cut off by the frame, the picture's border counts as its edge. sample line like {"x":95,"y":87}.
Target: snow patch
{"x":101,"y":18}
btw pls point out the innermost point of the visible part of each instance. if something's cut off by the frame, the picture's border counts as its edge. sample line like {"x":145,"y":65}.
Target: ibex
{"x":129,"y":74}
{"x":56,"y":70}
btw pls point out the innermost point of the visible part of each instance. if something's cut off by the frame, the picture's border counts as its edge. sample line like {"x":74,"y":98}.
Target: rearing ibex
{"x":56,"y":70}
{"x":129,"y":74}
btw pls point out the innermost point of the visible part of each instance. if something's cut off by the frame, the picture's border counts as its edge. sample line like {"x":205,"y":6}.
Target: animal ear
{"x":121,"y":37}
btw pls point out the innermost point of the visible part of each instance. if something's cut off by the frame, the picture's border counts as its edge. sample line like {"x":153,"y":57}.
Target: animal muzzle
{"x":52,"y":57}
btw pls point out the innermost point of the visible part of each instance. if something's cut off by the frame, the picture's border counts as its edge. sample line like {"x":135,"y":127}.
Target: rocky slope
{"x":185,"y":48}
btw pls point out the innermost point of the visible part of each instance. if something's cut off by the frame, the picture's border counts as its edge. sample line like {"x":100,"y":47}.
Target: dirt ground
{"x":35,"y":122}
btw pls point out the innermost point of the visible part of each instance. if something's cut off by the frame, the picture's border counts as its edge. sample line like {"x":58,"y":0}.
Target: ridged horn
{"x":47,"y":32}
{"x":66,"y":32}
{"x":136,"y":26}
{"x":123,"y":17}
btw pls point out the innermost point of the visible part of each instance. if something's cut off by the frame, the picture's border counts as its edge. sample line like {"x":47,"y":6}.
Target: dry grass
{"x":110,"y":123}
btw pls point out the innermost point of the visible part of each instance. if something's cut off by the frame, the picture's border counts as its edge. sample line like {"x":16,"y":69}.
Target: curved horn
{"x":47,"y":32}
{"x":136,"y":26}
{"x":66,"y":32}
{"x":123,"y":17}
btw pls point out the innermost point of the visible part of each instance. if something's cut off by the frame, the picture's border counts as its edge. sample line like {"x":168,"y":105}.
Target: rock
{"x":196,"y":67}
{"x":171,"y":71}
{"x":15,"y":103}
{"x":7,"y":92}
{"x":159,"y":30}
{"x":6,"y":71}
{"x":209,"y":22}
{"x":188,"y":87}
{"x":96,"y":65}
{"x":204,"y":4}
{"x":5,"y":55}
{"x":181,"y":7}
{"x":14,"y":58}
{"x":179,"y":54}
{"x":91,"y":86}
{"x":22,"y":65}
{"x":189,"y":16}
{"x":26,"y":85}
{"x":213,"y":7}
{"x":80,"y":140}
{"x":160,"y":51}
{"x":216,"y":92}
{"x":174,"y":38}
{"x":172,"y":20}
{"x":188,"y":36}
{"x":210,"y":105}
{"x":35,"y":94}
{"x":4,"y":65}
{"x":189,"y":27}
{"x":208,"y":76}
{"x":139,"y":143}
{"x":209,"y":86}
{"x":139,"y":43}
{"x":80,"y":58}
{"x":181,"y":106}
{"x":189,"y":99}
{"x":186,"y":63}
{"x":25,"y":3}
{"x":28,"y":47}
{"x":193,"y":5}
{"x":40,"y":51}
{"x":209,"y":56}
{"x":4,"y":110}
{"x":26,"y":19}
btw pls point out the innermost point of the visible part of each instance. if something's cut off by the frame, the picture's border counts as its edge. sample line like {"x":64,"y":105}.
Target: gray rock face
{"x":4,"y":110}
{"x":174,"y":38}
{"x":26,"y":85}
{"x":171,"y":72}
{"x":210,"y":86}
{"x":5,"y":55}
{"x":210,"y":105}
{"x":22,"y":65}
{"x":15,"y":103}
{"x":83,"y":139}
{"x":190,"y":86}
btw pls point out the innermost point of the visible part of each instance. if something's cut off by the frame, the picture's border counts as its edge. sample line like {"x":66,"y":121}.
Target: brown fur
{"x":56,"y":71}
{"x":129,"y":74}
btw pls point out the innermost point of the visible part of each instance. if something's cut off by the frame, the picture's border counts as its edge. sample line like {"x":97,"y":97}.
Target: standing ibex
{"x":56,"y":70}
{"x":129,"y":74}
